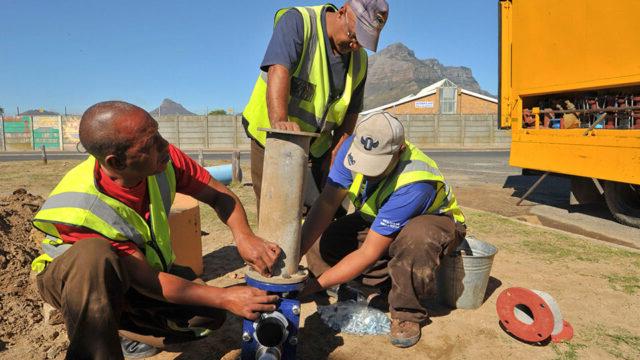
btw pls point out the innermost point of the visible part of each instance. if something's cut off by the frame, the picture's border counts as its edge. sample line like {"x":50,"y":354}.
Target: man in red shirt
{"x":102,"y":284}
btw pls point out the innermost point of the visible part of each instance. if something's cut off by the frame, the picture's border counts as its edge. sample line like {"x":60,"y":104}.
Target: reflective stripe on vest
{"x":309,"y":104}
{"x":413,"y":166}
{"x":76,"y":201}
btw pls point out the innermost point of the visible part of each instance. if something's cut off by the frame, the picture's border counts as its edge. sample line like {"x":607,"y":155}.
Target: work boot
{"x":404,"y":333}
{"x":132,"y":349}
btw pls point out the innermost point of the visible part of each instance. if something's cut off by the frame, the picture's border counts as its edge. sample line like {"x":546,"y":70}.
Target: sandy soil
{"x":22,"y":325}
{"x":596,"y":286}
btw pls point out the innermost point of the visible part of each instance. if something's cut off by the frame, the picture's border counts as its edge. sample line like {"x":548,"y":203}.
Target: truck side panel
{"x":574,"y":44}
{"x":555,"y":47}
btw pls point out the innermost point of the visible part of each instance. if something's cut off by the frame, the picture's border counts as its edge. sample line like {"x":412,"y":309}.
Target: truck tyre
{"x":623,"y":200}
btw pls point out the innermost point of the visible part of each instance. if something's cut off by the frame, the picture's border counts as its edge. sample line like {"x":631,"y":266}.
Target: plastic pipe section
{"x":283,"y":177}
{"x":222,"y":173}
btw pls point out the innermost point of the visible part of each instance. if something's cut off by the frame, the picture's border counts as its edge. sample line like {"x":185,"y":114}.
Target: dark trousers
{"x":92,"y":289}
{"x":410,"y":263}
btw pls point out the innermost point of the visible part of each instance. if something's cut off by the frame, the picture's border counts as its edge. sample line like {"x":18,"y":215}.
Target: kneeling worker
{"x":108,"y":261}
{"x":406,"y":219}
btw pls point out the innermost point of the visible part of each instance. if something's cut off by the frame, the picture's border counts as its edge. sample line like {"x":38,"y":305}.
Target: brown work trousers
{"x":410,"y":262}
{"x":92,"y":289}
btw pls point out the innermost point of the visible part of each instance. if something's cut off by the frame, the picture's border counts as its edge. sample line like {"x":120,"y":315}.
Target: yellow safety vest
{"x":309,"y":104}
{"x":413,"y":166}
{"x":77,"y":201}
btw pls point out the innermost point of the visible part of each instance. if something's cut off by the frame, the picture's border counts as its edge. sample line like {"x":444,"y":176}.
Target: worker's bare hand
{"x":260,"y":254}
{"x":248,"y":302}
{"x":286,"y":125}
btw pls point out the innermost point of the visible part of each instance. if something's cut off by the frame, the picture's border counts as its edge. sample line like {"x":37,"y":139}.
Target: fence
{"x":225,"y":132}
{"x":455,"y":131}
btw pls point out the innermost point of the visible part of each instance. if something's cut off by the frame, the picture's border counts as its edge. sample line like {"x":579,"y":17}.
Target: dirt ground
{"x":21,"y":320}
{"x":595,"y":284}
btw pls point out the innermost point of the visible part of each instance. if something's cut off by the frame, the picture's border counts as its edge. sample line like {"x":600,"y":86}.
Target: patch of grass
{"x":626,"y":338}
{"x":37,"y":178}
{"x":566,"y":350}
{"x":618,"y":342}
{"x":629,"y":284}
{"x":548,"y":245}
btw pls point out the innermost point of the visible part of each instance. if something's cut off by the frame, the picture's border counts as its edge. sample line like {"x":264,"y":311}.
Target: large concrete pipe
{"x":275,"y":335}
{"x":283,"y":180}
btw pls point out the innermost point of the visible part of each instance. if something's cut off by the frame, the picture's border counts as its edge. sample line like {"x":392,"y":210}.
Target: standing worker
{"x":108,"y":261}
{"x":312,"y":78}
{"x":406,"y":219}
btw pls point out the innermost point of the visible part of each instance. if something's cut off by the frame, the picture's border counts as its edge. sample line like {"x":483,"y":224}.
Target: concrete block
{"x":186,"y":241}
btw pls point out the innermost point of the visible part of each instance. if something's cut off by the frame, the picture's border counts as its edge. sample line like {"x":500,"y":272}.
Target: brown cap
{"x":376,"y":138}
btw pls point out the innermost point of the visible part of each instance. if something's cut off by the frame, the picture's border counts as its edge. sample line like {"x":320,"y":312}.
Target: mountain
{"x":170,"y":107}
{"x":395,"y":72}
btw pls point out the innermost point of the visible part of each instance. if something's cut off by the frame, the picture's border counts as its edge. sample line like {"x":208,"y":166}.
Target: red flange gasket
{"x":539,"y":317}
{"x":565,"y":334}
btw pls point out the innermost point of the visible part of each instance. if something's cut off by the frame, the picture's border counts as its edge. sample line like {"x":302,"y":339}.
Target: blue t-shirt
{"x":285,"y":48}
{"x":401,"y":206}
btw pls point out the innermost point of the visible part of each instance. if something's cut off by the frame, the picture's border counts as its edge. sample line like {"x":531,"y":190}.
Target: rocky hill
{"x":395,"y":72}
{"x":170,"y":107}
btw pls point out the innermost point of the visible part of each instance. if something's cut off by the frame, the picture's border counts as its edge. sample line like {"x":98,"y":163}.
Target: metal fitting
{"x":271,"y":329}
{"x":268,"y":353}
{"x":295,"y":309}
{"x":246,"y":337}
{"x":293,"y":341}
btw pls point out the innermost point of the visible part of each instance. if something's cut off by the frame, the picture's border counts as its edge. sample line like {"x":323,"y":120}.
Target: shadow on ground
{"x":492,"y":286}
{"x":220,"y":262}
{"x":544,"y":342}
{"x":553,"y":191}
{"x":224,"y":341}
{"x":317,"y":340}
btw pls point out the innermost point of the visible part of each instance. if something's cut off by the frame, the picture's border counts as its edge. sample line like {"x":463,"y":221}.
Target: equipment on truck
{"x":547,"y":60}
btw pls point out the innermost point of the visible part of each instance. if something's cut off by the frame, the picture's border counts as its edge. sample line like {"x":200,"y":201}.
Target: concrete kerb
{"x":559,"y":231}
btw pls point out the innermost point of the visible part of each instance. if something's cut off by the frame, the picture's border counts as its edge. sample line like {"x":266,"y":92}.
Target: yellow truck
{"x":570,"y":92}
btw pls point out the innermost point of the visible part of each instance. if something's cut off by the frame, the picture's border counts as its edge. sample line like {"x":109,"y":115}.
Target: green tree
{"x":1,"y":111}
{"x":217,"y":112}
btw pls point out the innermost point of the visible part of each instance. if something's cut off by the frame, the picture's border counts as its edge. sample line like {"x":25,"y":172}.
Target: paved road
{"x":487,"y":167}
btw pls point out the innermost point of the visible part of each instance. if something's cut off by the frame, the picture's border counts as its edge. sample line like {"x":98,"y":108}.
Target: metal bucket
{"x":463,"y":276}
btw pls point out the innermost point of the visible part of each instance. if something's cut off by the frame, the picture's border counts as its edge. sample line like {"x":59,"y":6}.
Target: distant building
{"x":442,"y":97}
{"x":38,"y":112}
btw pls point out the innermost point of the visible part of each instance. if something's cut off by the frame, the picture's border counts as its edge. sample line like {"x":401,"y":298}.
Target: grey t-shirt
{"x":285,"y":48}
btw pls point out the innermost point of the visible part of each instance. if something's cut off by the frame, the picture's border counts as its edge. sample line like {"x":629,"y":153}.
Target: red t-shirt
{"x":190,"y":179}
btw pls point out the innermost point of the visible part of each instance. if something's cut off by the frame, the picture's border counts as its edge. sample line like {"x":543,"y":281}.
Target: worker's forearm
{"x":231,"y":212}
{"x":167,"y":287}
{"x":317,"y":221}
{"x":180,"y":291}
{"x":277,"y":93}
{"x":347,"y":269}
{"x":228,"y":207}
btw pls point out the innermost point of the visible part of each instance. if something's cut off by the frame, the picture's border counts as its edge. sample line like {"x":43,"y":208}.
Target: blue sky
{"x":202,"y":54}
